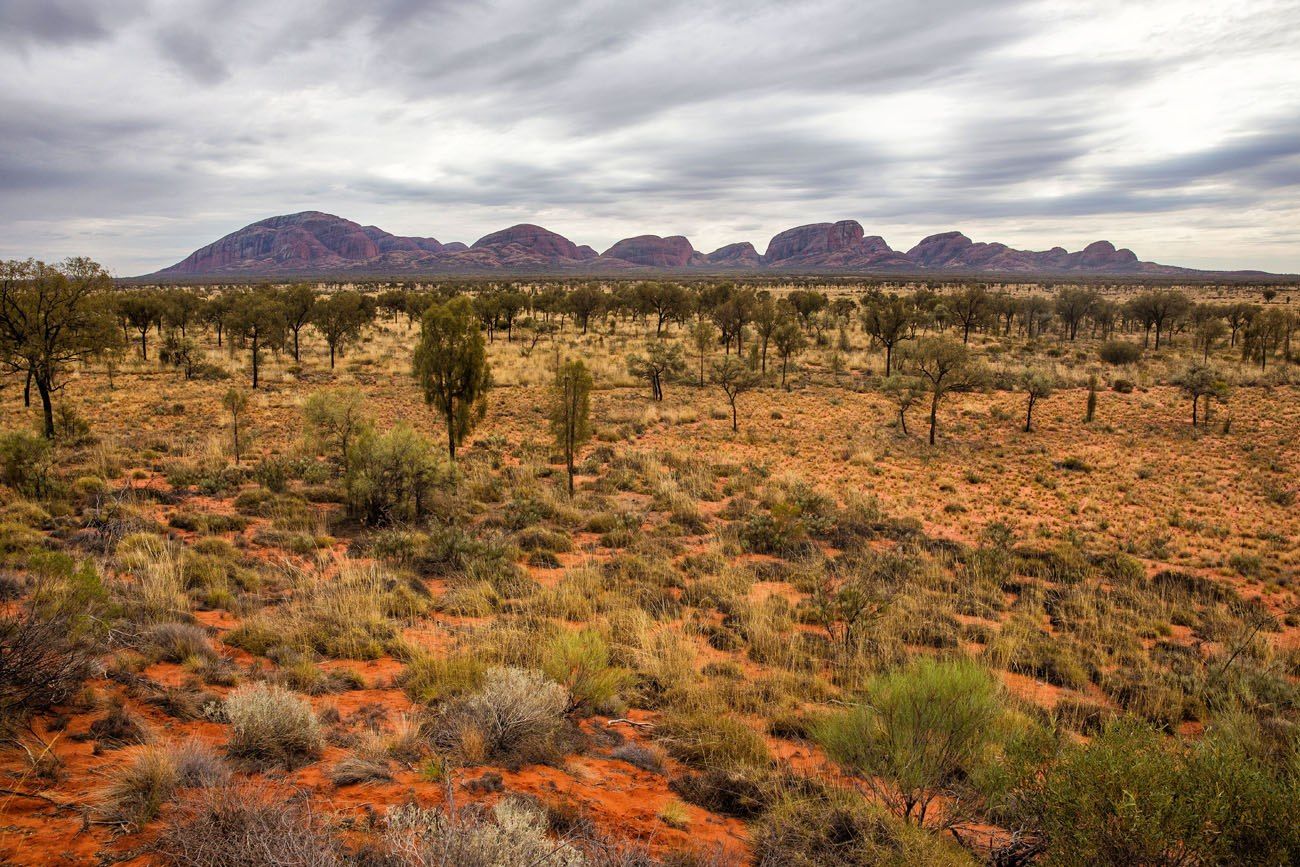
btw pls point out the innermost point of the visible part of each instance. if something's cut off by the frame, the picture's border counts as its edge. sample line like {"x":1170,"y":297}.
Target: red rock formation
{"x":531,"y":242}
{"x":742,"y":255}
{"x":653,"y":251}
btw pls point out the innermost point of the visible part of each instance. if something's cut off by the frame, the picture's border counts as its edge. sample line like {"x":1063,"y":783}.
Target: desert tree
{"x":1074,"y":304}
{"x":52,"y":316}
{"x":341,"y":317}
{"x":662,"y":360}
{"x":583,"y":303}
{"x":888,"y":322}
{"x":944,"y":364}
{"x":215,"y":313}
{"x":667,"y":301}
{"x":703,"y":336}
{"x":1201,"y":381}
{"x":766,"y":317}
{"x":1037,"y":385}
{"x":257,"y":318}
{"x":969,"y":306}
{"x":904,"y":392}
{"x":1091,"y":410}
{"x":298,"y":301}
{"x":1237,"y":316}
{"x":181,"y":309}
{"x":1209,"y":329}
{"x":571,"y":411}
{"x":789,"y":341}
{"x":450,"y":364}
{"x":235,"y":401}
{"x":181,"y":352}
{"x":142,"y":310}
{"x":1262,"y":336}
{"x":735,"y":377}
{"x":1158,"y":309}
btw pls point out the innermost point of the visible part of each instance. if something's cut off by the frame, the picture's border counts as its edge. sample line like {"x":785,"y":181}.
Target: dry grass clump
{"x":270,"y":726}
{"x":516,"y":717}
{"x":245,"y":826}
{"x":138,"y":788}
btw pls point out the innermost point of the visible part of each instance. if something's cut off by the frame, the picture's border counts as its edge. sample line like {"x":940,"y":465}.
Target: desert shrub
{"x":434,"y":678}
{"x":917,"y":730}
{"x":516,"y":717}
{"x":744,"y":793}
{"x":643,"y":756}
{"x":198,"y":765}
{"x":513,"y":834}
{"x":26,"y":463}
{"x":713,"y":739}
{"x":138,"y":788}
{"x":1119,"y":352}
{"x":839,"y":829}
{"x":48,"y":647}
{"x":178,"y":642}
{"x":241,"y":826}
{"x":579,"y":661}
{"x":1135,"y":796}
{"x":271,"y":726}
{"x":393,"y":476}
{"x":119,"y":727}
{"x":368,"y":763}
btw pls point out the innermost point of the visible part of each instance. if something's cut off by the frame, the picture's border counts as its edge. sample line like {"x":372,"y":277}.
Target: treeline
{"x":52,"y":316}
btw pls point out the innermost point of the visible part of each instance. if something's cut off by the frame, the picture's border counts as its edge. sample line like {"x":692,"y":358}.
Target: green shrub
{"x":839,"y":829}
{"x":431,"y":679}
{"x":1119,"y":352}
{"x":26,"y":463}
{"x":579,"y":661}
{"x":917,"y":729}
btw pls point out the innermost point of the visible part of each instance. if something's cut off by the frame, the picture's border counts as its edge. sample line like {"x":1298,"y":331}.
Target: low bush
{"x":431,"y":679}
{"x":26,"y":463}
{"x":712,"y":739}
{"x":515,"y":718}
{"x":241,"y":826}
{"x":579,"y":661}
{"x":271,"y":726}
{"x":1119,"y":352}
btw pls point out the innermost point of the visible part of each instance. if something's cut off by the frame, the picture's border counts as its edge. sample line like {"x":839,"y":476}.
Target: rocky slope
{"x":314,"y":244}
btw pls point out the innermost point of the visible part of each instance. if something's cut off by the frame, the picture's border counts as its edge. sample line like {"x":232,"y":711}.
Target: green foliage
{"x":26,"y":463}
{"x":711,"y":738}
{"x":579,"y":661}
{"x":917,"y":729}
{"x":1119,"y":352}
{"x":1135,"y":796}
{"x":431,"y":679}
{"x":451,"y":366}
{"x":392,"y":476}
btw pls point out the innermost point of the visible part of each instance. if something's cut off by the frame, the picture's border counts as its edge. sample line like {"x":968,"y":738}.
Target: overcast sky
{"x":134,"y":131}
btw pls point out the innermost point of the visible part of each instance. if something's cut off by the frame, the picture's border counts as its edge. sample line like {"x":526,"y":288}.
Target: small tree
{"x":571,"y":410}
{"x":944,"y":364}
{"x":341,"y":318}
{"x":142,"y":310}
{"x":1038,"y":385}
{"x":789,"y":341}
{"x":235,"y":401}
{"x":1201,"y":381}
{"x":888,"y":322}
{"x":338,"y":418}
{"x":1092,"y":399}
{"x":51,"y":316}
{"x":451,"y":365}
{"x":703,"y":337}
{"x":258,"y":318}
{"x":661,"y":361}
{"x":918,"y":732}
{"x":735,"y":377}
{"x":905,"y":392}
{"x":298,"y":301}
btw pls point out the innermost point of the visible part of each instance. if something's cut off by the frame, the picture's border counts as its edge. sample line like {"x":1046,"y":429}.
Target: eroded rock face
{"x":742,"y":255}
{"x":653,"y":251}
{"x":531,"y":242}
{"x":815,"y":239}
{"x":310,"y":239}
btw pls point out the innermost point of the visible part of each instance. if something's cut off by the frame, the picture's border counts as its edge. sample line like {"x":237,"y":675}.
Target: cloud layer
{"x":137,"y":130}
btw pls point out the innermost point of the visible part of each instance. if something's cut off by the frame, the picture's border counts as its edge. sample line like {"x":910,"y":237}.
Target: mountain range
{"x":315,"y":244}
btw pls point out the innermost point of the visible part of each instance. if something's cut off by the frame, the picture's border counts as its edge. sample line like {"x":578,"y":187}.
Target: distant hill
{"x":315,"y":244}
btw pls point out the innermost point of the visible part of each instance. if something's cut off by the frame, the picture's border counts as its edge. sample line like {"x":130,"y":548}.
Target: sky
{"x":135,"y":131}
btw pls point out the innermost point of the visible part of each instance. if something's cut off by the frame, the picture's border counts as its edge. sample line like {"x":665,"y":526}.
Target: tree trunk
{"x":451,"y":435}
{"x":1029,"y":415}
{"x":331,"y":356}
{"x":934,"y":415}
{"x":47,"y":405}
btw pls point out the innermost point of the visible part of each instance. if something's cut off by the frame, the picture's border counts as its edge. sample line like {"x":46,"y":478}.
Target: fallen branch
{"x":630,"y":722}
